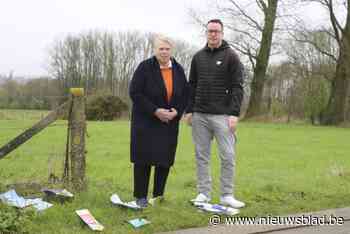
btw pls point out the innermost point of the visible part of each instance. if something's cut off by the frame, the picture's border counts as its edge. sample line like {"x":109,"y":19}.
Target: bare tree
{"x":183,"y":53}
{"x":335,"y":112}
{"x":103,"y":62}
{"x":313,"y":54}
{"x":251,"y":25}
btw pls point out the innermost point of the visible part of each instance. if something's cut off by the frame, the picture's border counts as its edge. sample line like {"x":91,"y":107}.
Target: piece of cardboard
{"x":87,"y":218}
{"x":139,"y":222}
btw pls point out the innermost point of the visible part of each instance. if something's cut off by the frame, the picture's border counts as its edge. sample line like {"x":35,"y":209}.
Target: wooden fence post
{"x":77,"y":140}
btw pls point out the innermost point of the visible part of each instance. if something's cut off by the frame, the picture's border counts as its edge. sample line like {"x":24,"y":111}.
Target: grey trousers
{"x":204,"y":128}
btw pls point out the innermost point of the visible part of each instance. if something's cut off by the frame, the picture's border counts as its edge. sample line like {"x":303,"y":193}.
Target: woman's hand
{"x":166,"y":115}
{"x":172,"y":113}
{"x":162,"y":114}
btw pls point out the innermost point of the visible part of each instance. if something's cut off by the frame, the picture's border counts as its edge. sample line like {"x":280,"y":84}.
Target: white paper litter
{"x":115,"y":199}
{"x":215,"y":208}
{"x":12,"y":199}
{"x":58,"y":192}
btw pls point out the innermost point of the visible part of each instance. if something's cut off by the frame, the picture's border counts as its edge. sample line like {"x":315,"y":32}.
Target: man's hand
{"x":188,"y":119}
{"x":232,"y":123}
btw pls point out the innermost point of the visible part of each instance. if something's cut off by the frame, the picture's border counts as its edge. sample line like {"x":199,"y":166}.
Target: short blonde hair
{"x":161,"y":38}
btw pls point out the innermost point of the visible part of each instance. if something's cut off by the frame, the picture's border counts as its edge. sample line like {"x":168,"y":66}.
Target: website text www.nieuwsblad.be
{"x":277,"y":220}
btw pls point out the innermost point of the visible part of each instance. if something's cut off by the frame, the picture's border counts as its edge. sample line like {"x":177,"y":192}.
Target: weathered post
{"x":77,"y":139}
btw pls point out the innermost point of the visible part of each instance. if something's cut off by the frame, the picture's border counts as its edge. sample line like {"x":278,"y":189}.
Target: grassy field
{"x":281,"y":169}
{"x":25,"y":115}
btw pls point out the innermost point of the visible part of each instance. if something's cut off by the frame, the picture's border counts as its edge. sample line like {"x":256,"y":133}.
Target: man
{"x":216,"y":93}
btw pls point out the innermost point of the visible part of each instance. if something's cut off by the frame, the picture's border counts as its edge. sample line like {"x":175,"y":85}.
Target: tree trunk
{"x":262,"y":61}
{"x":256,"y":94}
{"x":335,"y":112}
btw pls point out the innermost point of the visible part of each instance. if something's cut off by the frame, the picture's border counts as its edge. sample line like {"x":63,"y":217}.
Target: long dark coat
{"x":152,"y":141}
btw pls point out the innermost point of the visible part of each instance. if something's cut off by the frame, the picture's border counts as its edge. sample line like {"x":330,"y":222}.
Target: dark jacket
{"x":216,"y":81}
{"x":152,"y":141}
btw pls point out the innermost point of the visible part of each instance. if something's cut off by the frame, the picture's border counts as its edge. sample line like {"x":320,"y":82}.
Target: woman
{"x":158,"y":91}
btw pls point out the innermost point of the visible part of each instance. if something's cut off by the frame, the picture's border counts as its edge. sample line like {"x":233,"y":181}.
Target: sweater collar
{"x":170,"y":65}
{"x":223,"y":45}
{"x":156,"y":63}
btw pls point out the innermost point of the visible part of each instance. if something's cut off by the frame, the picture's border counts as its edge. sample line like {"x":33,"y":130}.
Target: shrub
{"x":105,"y":108}
{"x":13,"y":220}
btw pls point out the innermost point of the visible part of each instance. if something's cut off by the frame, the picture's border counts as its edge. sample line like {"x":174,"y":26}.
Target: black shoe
{"x":142,"y":202}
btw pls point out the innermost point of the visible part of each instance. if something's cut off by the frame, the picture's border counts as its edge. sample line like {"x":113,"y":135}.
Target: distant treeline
{"x":299,"y":87}
{"x":100,"y":62}
{"x":104,"y":62}
{"x":40,"y":93}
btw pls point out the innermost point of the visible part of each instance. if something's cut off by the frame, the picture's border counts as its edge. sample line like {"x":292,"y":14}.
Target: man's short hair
{"x":217,"y":21}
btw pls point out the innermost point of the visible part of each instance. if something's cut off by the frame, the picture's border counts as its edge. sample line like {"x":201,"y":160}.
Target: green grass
{"x":281,"y":169}
{"x":9,"y":114}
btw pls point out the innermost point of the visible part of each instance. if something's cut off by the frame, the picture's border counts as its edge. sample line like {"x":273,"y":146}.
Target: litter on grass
{"x":58,"y":192}
{"x":60,"y":195}
{"x":136,"y":223}
{"x":115,"y":199}
{"x":87,"y":218}
{"x":215,"y":208}
{"x":11,"y":198}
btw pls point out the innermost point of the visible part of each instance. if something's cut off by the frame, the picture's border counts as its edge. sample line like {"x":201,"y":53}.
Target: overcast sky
{"x":28,"y":28}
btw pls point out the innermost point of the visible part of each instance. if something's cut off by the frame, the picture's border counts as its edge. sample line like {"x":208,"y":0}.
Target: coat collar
{"x":159,"y":79}
{"x":155,"y":62}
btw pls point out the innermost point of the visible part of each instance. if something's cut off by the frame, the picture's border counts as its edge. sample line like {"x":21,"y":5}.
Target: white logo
{"x":218,"y":63}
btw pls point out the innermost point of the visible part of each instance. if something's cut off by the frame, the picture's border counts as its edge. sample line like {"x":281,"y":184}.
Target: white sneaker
{"x":231,"y":201}
{"x":155,"y":200}
{"x":201,"y":198}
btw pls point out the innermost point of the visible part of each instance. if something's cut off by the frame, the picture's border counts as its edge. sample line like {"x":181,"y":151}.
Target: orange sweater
{"x":168,"y":81}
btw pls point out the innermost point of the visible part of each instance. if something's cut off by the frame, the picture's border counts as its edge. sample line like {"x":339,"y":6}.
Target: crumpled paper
{"x":115,"y":199}
{"x":12,"y":199}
